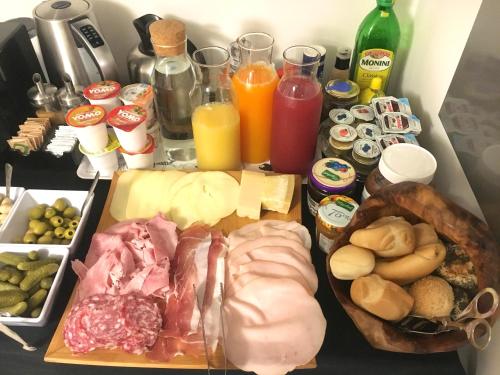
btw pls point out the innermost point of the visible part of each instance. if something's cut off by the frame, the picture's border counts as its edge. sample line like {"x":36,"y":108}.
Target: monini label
{"x":372,"y":63}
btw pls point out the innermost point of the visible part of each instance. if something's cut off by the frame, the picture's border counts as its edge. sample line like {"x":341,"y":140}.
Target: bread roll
{"x":381,"y":297}
{"x":409,"y":268}
{"x":424,"y":234}
{"x":387,"y":237}
{"x":350,"y":262}
{"x":433,"y":297}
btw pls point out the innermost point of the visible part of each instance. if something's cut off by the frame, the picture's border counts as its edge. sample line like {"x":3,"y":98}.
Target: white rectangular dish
{"x":15,"y":194}
{"x":60,"y":252}
{"x":17,"y":224}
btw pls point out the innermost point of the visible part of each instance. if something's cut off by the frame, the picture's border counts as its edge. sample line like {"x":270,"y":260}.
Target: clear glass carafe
{"x":172,"y":79}
{"x":254,"y":83}
{"x":296,"y":111}
{"x":215,"y":120}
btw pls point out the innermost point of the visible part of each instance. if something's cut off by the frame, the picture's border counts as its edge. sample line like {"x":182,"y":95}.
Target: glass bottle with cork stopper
{"x":173,"y":79}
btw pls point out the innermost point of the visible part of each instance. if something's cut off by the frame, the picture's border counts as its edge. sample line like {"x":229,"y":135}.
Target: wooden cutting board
{"x":57,"y":352}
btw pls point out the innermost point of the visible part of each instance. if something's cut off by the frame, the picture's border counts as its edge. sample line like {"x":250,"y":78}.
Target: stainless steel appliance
{"x":72,"y":43}
{"x":141,"y":58}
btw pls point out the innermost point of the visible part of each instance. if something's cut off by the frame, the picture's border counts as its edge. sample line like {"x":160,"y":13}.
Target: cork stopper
{"x":168,"y":37}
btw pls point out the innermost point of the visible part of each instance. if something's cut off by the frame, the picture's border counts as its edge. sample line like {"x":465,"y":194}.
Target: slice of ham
{"x":251,"y":271}
{"x":272,"y":325}
{"x":131,"y":256}
{"x":266,"y":241}
{"x":288,"y":229}
{"x":272,"y":321}
{"x":277,"y":254}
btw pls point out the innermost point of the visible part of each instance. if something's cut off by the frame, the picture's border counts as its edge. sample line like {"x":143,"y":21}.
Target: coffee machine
{"x":72,"y":43}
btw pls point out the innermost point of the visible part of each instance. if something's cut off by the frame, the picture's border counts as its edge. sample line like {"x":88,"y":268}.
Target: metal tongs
{"x":14,"y":336}
{"x":202,"y":321}
{"x":471,"y":320}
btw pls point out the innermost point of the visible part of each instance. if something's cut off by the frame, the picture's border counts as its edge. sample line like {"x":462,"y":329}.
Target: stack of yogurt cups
{"x":130,"y":115}
{"x":137,"y":146}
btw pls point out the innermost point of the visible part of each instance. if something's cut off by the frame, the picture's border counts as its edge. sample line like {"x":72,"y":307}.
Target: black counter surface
{"x":344,"y":350}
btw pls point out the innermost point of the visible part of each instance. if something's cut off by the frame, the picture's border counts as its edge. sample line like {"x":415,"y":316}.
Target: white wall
{"x":434,"y":34}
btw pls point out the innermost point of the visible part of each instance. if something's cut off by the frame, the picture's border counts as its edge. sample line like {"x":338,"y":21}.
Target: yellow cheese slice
{"x":118,"y":205}
{"x":278,"y":193}
{"x":142,"y":194}
{"x":217,"y":194}
{"x":251,"y":190}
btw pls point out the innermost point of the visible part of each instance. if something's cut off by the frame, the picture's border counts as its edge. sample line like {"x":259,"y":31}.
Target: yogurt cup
{"x":140,"y":94}
{"x":89,"y":122}
{"x":105,"y":161}
{"x":140,"y":160}
{"x":129,"y":124}
{"x":103,"y":93}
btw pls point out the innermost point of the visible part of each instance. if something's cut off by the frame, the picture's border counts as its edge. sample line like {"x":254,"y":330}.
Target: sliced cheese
{"x":142,"y":194}
{"x":251,"y":190}
{"x":217,"y":195}
{"x":121,"y":196}
{"x":278,"y":193}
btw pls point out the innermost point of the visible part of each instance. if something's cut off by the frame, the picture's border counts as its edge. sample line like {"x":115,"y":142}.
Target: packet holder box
{"x":17,"y":224}
{"x":60,"y":252}
{"x":15,"y":194}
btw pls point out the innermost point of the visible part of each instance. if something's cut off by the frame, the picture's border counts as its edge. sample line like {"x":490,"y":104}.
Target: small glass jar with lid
{"x":399,"y":163}
{"x":364,"y":157}
{"x":341,"y":141}
{"x":329,"y":176}
{"x":341,"y":94}
{"x":334,"y":214}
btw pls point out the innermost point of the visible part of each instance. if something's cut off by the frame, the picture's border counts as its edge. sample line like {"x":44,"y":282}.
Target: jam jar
{"x":334,"y":214}
{"x":329,"y":176}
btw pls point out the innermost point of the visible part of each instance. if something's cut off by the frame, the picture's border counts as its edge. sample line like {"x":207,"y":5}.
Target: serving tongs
{"x":471,"y":320}
{"x":14,"y":336}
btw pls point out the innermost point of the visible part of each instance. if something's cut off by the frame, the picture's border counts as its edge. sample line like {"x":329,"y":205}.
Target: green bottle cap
{"x":385,"y":3}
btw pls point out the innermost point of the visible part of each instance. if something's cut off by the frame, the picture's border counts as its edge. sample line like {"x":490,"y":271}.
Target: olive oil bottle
{"x":377,"y":40}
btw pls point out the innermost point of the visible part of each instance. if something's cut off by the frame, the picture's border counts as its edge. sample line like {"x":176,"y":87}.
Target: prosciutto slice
{"x":198,"y":262}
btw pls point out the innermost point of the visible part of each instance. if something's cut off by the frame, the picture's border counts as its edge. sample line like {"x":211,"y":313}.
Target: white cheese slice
{"x":251,"y":190}
{"x":278,"y":193}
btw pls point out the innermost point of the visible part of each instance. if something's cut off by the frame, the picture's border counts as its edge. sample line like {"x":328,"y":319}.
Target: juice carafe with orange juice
{"x":215,"y":120}
{"x":254,"y":84}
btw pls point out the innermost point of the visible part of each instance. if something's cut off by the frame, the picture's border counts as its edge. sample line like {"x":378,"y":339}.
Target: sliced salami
{"x":130,"y":322}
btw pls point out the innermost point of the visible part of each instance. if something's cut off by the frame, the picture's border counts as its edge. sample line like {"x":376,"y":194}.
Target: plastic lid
{"x":343,"y":133}
{"x":147,"y":150}
{"x":85,"y":115}
{"x":368,"y":131}
{"x":332,"y":175}
{"x":336,"y":211}
{"x":366,"y":148}
{"x":407,"y":162}
{"x":341,"y":116}
{"x":102,"y":90}
{"x":362,"y":112}
{"x":127,"y":117}
{"x":137,"y":93}
{"x":376,"y":83}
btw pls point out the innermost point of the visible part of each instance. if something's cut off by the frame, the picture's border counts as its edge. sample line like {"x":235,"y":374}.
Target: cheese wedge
{"x":278,"y":193}
{"x":251,"y":190}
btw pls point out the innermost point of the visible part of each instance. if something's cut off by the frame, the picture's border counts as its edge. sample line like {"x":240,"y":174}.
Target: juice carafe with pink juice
{"x":254,"y":84}
{"x":296,"y":111}
{"x":215,"y":120}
